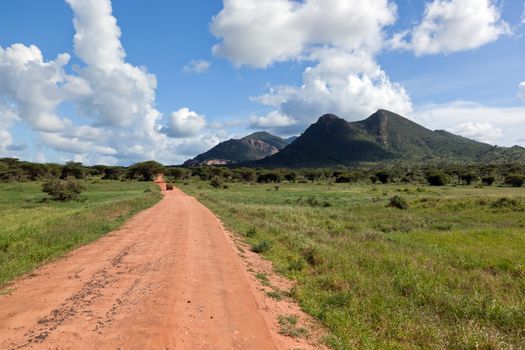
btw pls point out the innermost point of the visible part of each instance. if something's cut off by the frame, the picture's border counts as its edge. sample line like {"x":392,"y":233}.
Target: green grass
{"x":446,"y":273}
{"x":34,"y":230}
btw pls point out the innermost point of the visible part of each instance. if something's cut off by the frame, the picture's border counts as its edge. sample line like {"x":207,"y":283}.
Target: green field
{"x":447,"y":273}
{"x":34,"y":230}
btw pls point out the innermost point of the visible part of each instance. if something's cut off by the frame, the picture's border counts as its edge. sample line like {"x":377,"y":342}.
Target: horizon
{"x":118,"y":82}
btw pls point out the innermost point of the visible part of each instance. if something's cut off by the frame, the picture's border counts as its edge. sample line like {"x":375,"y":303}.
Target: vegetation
{"x":35,"y":230}
{"x":145,"y":171}
{"x":63,"y":190}
{"x":398,"y":202}
{"x":446,"y":272}
{"x":515,"y":180}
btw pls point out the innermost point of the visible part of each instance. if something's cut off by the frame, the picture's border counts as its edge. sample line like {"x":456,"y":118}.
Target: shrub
{"x":262,"y":247}
{"x":488,"y":180}
{"x":252,"y":232}
{"x":398,"y":202}
{"x":216,"y":182}
{"x":506,"y":203}
{"x":437,"y":179}
{"x":169,"y":187}
{"x":515,"y":180}
{"x":63,"y":190}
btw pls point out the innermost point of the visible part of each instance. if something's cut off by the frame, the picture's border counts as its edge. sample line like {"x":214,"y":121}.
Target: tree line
{"x":513,"y":174}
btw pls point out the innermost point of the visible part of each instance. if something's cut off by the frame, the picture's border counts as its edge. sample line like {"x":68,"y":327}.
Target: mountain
{"x":252,"y":147}
{"x":383,"y":136}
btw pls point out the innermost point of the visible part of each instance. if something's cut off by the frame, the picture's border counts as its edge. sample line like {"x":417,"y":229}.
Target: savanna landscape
{"x":397,"y":256}
{"x":262,"y":175}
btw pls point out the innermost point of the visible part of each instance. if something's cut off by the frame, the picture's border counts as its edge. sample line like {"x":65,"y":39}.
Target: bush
{"x":262,"y":247}
{"x":506,"y":203}
{"x":488,"y":180}
{"x":252,"y":232}
{"x":63,"y":190}
{"x":515,"y":180}
{"x":437,"y":179}
{"x":216,"y":182}
{"x":169,"y":187}
{"x":398,"y":202}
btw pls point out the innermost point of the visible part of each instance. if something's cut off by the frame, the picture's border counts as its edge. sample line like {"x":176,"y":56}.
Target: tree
{"x":469,"y":178}
{"x":515,"y":180}
{"x":488,"y":180}
{"x":269,"y":177}
{"x":72,"y":169}
{"x":383,"y":176}
{"x":178,"y":173}
{"x":291,"y":176}
{"x":145,"y":171}
{"x":437,"y":179}
{"x":113,"y":173}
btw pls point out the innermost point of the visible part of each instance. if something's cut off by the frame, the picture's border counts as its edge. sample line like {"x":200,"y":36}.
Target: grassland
{"x":34,"y":230}
{"x":446,"y":273}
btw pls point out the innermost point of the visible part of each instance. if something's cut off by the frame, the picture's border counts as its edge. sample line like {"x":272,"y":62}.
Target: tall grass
{"x":446,"y":273}
{"x":34,"y":230}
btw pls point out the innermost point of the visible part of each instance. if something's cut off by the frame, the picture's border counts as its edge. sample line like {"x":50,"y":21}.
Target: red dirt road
{"x":170,"y":278}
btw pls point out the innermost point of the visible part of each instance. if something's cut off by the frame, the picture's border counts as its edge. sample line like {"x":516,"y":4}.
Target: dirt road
{"x":170,"y":278}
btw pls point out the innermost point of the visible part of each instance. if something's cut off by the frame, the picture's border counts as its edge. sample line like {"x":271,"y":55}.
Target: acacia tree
{"x":145,"y":171}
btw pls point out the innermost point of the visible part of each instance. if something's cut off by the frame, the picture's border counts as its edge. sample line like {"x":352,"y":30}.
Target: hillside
{"x":252,"y":147}
{"x":382,"y":136}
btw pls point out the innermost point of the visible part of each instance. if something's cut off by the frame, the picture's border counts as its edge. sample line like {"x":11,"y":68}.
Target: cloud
{"x":484,"y":132}
{"x":475,"y":117}
{"x":74,"y":145}
{"x":185,"y":123}
{"x":453,"y":25}
{"x":259,"y":32}
{"x":97,"y":38}
{"x":33,"y":87}
{"x":339,"y":37}
{"x":115,"y":99}
{"x":271,"y":120}
{"x":7,"y":118}
{"x":196,"y":67}
{"x":521,"y":91}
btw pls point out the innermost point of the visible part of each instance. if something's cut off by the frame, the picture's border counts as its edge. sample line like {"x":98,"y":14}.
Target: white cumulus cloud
{"x":272,"y":120}
{"x":196,"y":67}
{"x":454,"y":25}
{"x":484,"y":132}
{"x":33,"y":86}
{"x":185,"y":123}
{"x":504,"y":126}
{"x":260,"y":32}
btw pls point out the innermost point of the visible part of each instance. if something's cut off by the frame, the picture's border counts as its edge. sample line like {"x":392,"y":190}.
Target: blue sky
{"x":170,"y":79}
